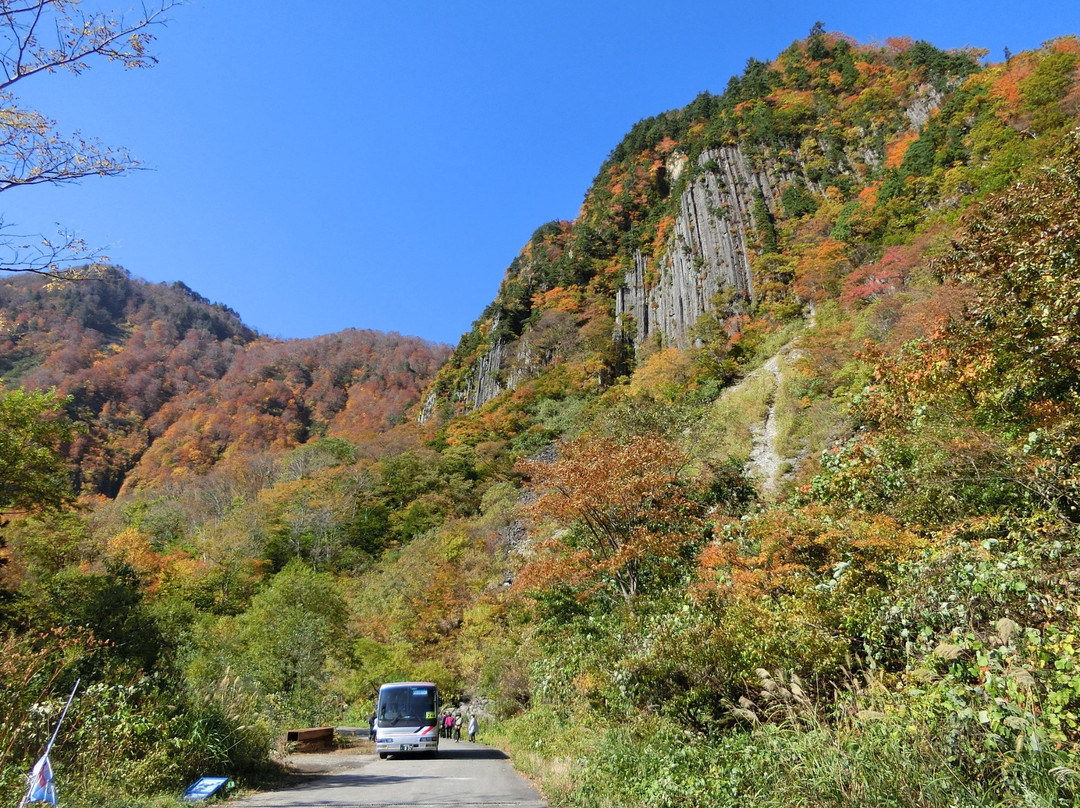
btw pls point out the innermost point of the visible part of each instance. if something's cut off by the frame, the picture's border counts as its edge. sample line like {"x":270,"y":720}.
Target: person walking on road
{"x":457,"y":726}
{"x":473,"y":727}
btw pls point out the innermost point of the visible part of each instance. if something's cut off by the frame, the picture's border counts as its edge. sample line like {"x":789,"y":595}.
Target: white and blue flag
{"x":41,"y":788}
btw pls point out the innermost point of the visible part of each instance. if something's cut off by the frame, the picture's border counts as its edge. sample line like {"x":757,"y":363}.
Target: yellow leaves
{"x":560,"y":299}
{"x":794,"y":100}
{"x":132,"y":547}
{"x":668,"y":368}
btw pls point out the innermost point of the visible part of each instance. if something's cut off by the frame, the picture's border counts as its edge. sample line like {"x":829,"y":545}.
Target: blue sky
{"x":378,"y":163}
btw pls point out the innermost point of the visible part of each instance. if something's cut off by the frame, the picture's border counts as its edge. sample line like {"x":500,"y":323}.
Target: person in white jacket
{"x":473,"y":727}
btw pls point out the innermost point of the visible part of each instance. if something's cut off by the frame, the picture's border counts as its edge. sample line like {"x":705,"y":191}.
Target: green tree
{"x":33,"y":473}
{"x":817,"y":46}
{"x":1045,"y":87}
{"x":109,"y":604}
{"x":283,"y":644}
{"x":765,"y":223}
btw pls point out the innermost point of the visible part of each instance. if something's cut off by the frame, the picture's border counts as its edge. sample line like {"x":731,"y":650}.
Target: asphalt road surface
{"x":463,"y":775}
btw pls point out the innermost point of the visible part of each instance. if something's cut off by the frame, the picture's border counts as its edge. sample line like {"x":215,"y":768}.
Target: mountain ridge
{"x":687,"y":208}
{"x":147,"y":365}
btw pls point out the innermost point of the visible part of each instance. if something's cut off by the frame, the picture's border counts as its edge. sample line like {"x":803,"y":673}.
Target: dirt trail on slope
{"x":765,"y":460}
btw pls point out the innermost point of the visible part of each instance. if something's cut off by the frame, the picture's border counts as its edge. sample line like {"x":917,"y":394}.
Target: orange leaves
{"x":560,"y":298}
{"x":622,"y":507}
{"x":1007,"y":85}
{"x":925,"y":370}
{"x":784,"y":552}
{"x":895,"y":151}
{"x":666,"y":146}
{"x":899,"y":44}
{"x":820,"y":270}
{"x":602,"y":476}
{"x":1065,"y":44}
{"x":186,"y":382}
{"x":155,"y":569}
{"x":660,"y":241}
{"x":868,"y":196}
{"x":561,"y":565}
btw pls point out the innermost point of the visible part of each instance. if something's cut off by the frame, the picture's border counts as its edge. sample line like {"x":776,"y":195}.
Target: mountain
{"x":825,"y":175}
{"x":757,"y":483}
{"x":168,"y":382}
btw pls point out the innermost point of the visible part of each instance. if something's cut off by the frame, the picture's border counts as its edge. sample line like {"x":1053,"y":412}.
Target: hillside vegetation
{"x":872,"y":250}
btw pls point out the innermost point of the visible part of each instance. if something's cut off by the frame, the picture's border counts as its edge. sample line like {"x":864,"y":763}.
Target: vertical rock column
{"x":707,"y":252}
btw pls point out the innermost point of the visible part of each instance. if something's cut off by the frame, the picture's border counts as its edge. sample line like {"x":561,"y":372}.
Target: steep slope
{"x":713,"y":225}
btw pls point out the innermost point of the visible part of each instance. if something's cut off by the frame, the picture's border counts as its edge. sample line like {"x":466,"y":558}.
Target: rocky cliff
{"x":677,"y":220}
{"x":708,"y":252}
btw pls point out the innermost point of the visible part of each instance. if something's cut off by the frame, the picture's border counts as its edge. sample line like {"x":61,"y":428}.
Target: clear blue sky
{"x":378,"y":163}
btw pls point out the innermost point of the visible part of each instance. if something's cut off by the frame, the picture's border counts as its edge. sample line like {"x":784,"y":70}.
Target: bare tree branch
{"x":43,"y":36}
{"x":75,"y":38}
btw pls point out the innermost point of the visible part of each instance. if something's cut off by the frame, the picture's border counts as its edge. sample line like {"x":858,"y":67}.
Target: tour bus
{"x":406,"y":719}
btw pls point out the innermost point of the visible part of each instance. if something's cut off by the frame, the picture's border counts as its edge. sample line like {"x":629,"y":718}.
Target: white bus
{"x":406,"y":719}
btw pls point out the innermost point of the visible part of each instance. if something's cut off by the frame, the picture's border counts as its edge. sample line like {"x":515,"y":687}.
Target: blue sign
{"x":204,"y":787}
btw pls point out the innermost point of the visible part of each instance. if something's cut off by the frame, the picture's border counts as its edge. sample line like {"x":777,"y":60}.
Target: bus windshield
{"x":406,"y":706}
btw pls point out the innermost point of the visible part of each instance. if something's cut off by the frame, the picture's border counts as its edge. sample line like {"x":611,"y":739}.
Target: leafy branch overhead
{"x":39,"y":38}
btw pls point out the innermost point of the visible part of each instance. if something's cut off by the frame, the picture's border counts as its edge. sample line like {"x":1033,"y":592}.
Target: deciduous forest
{"x":757,"y":484}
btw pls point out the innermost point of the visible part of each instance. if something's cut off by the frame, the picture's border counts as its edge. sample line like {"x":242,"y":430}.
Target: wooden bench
{"x":311,"y":739}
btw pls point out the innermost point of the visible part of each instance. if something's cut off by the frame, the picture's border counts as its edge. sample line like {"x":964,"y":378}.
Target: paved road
{"x":464,"y":775}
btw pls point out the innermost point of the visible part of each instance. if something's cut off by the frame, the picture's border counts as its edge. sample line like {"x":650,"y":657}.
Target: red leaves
{"x":884,"y":276}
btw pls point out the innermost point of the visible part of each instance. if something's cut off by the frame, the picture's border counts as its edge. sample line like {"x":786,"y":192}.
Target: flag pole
{"x":56,"y":731}
{"x":44,"y":759}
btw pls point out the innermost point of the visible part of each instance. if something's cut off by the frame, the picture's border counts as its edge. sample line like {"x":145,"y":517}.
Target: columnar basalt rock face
{"x":502,"y":367}
{"x":427,"y":410}
{"x":706,"y":260}
{"x":484,"y":382}
{"x":707,"y":253}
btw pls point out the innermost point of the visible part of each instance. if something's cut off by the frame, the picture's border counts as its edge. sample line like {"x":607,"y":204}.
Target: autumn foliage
{"x":578,"y":538}
{"x":791,"y":552}
{"x":168,"y":382}
{"x":624,"y":510}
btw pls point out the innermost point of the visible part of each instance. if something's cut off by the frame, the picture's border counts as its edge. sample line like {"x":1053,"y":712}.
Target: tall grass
{"x":728,"y":427}
{"x":870,"y":749}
